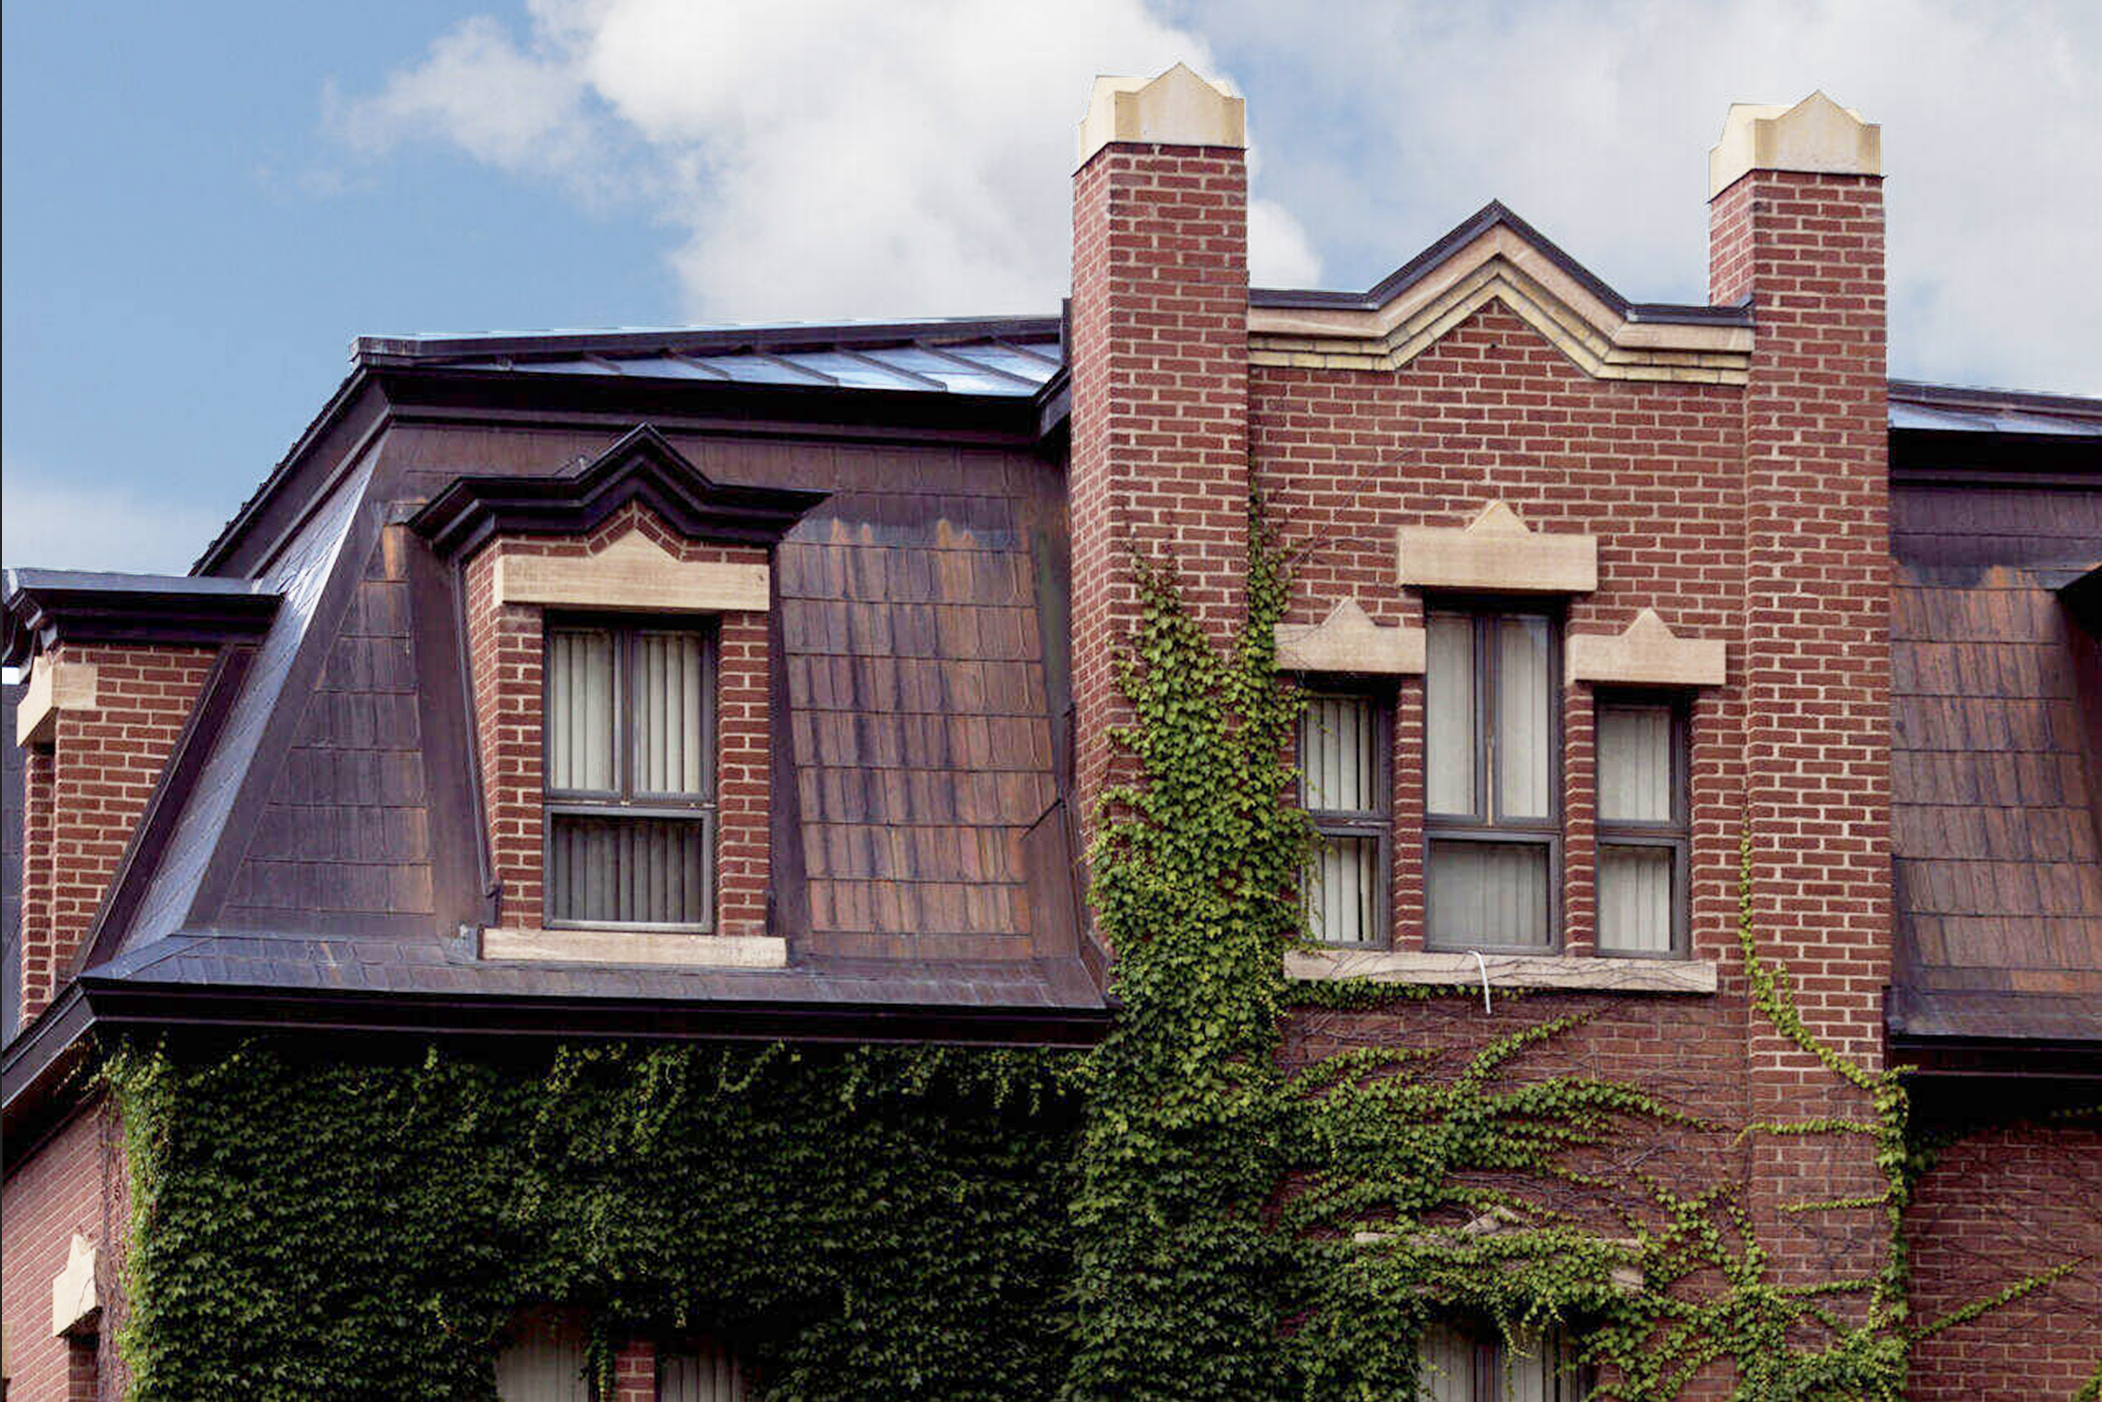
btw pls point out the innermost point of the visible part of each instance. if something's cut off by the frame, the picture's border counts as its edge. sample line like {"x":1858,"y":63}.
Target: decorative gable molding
{"x":1496,"y":257}
{"x":1498,"y":553}
{"x":632,"y":574}
{"x":1349,"y":641}
{"x":641,"y":468}
{"x":1646,"y":653}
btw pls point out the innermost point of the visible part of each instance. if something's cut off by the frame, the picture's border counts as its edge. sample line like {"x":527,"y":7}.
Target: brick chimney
{"x":1796,"y":226}
{"x":1159,"y":355}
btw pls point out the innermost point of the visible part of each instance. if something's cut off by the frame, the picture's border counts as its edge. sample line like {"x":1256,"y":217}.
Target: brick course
{"x":1158,"y":464}
{"x":507,"y":650}
{"x":85,"y":790}
{"x":73,"y":1183}
{"x":2002,"y":1203}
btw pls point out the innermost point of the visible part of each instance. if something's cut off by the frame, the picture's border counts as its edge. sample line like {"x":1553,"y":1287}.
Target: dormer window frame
{"x":626,"y":799}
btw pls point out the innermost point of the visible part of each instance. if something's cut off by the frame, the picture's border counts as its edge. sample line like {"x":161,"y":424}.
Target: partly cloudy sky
{"x":202,"y":207}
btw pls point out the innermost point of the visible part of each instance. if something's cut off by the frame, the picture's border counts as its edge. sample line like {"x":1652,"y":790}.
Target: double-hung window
{"x":630,"y":755}
{"x":1344,"y":761}
{"x":1466,"y":1363}
{"x":1492,"y":779}
{"x":1642,"y":827}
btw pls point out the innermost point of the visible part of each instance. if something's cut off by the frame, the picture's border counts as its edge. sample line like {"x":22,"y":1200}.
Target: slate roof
{"x":317,"y":839}
{"x":1994,"y":814}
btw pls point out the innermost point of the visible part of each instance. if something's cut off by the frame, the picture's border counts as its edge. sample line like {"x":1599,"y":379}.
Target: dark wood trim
{"x":122,"y":1004}
{"x":642,"y":467}
{"x":47,"y":608}
{"x":462,"y":883}
{"x":788,"y":883}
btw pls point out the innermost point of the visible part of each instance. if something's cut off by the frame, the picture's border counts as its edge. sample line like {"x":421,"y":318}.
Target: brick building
{"x":756,"y":683}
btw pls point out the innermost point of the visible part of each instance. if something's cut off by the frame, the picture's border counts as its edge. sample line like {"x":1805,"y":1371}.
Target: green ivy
{"x":319,"y":1229}
{"x":1177,"y":1214}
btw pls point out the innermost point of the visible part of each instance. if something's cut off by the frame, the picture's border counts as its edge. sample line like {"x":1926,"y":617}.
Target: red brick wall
{"x":74,"y":1183}
{"x":635,"y":1373}
{"x":1999,"y":1205}
{"x":1808,"y":250}
{"x":507,"y":650}
{"x":1494,"y":411}
{"x":1160,"y":368}
{"x":85,"y":791}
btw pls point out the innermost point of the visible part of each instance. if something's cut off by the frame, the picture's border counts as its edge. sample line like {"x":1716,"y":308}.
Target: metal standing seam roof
{"x":1003,"y":358}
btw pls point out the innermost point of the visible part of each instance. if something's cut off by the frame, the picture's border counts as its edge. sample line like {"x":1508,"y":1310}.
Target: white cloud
{"x":1388,"y":123}
{"x":820,"y":158}
{"x":55,"y":524}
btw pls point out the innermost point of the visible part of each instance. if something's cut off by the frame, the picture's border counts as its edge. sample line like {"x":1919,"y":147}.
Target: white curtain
{"x":1448,"y":740}
{"x":580,"y":710}
{"x":1341,"y":755}
{"x":628,"y":870}
{"x":1634,"y":899}
{"x":544,"y":1362}
{"x":710,"y":1374}
{"x":1634,"y":764}
{"x":669,"y":707}
{"x":1523,"y":725}
{"x":1488,"y":893}
{"x":1445,"y":1364}
{"x":1342,"y":891}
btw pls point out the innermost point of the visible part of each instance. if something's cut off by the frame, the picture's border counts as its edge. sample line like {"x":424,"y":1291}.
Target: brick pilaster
{"x":1807,"y":248}
{"x":1160,"y":403}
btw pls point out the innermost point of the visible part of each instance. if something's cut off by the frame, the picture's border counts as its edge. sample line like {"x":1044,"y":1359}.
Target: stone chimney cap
{"x":1816,"y":134}
{"x":1176,"y":109}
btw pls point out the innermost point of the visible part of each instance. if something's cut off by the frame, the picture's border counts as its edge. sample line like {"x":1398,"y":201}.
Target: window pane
{"x":1523,"y":727}
{"x":711,"y":1374}
{"x":1635,"y":899}
{"x":627,"y":870}
{"x":580,"y":709}
{"x":544,"y":1362}
{"x":1340,"y":754}
{"x":1449,"y":740}
{"x":1634,"y":764}
{"x":1488,"y":893}
{"x":1540,"y":1368}
{"x":1445,"y":1364}
{"x":668,"y":712}
{"x":1342,"y":891}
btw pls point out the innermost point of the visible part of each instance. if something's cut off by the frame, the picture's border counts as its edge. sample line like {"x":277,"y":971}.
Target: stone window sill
{"x":635,"y":947}
{"x":1596,"y":974}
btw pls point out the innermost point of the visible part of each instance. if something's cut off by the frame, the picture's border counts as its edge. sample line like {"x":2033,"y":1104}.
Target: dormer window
{"x":629,"y":728}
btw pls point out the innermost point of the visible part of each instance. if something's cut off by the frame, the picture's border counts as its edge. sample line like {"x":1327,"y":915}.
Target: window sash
{"x":639,"y":852}
{"x":1493,"y":680}
{"x":1644,"y":818}
{"x":1345,"y":765}
{"x":1459,"y":1361}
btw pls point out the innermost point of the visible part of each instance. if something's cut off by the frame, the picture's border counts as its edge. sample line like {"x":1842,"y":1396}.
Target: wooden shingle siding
{"x":1994,"y":817}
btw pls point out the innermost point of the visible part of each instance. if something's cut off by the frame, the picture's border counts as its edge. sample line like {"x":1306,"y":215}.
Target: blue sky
{"x":203,"y":204}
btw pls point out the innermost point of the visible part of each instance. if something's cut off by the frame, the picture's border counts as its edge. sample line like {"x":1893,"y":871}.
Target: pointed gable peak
{"x":1498,"y":519}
